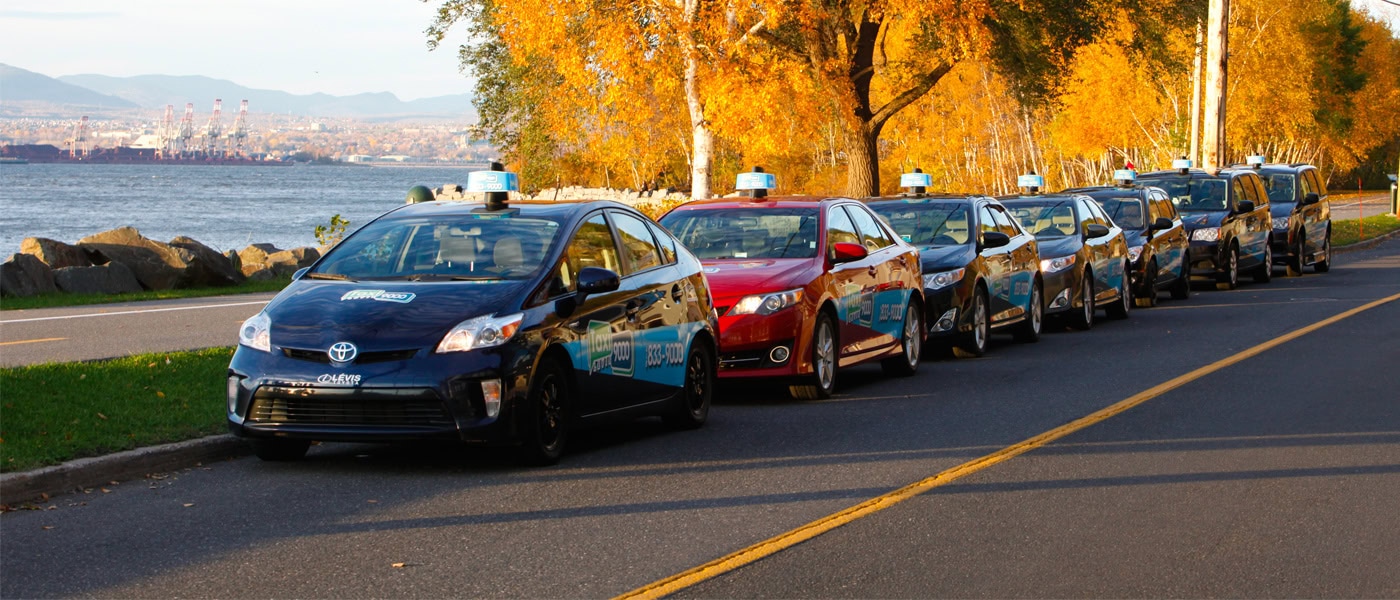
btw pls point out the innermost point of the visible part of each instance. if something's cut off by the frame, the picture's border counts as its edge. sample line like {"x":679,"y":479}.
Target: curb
{"x":1365,"y":244}
{"x":27,"y":486}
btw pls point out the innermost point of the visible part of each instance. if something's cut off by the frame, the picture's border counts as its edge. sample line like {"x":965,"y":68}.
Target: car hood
{"x":1060,"y":246}
{"x":742,"y":277}
{"x":1197,"y":220}
{"x":1280,"y":209}
{"x":1134,"y":237}
{"x":380,"y":315}
{"x":942,"y":258}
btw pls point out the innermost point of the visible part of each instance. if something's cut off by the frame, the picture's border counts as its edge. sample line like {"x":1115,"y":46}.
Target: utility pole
{"x":1217,"y":72}
{"x":1195,"y":154}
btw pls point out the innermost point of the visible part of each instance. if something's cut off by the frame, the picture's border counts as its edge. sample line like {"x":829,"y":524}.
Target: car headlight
{"x":1206,"y":234}
{"x":1134,"y":252}
{"x":1055,"y":265}
{"x":1280,"y":223}
{"x":944,"y":279}
{"x":481,"y":332}
{"x":766,"y":304}
{"x":253,"y":333}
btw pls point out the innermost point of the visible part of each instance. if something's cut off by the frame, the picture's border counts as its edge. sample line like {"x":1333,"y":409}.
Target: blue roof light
{"x":492,"y":181}
{"x":755,"y":181}
{"x":910,"y":180}
{"x":1030,"y":181}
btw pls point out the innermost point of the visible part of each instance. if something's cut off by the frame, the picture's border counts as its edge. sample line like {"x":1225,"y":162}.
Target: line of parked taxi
{"x":517,"y":323}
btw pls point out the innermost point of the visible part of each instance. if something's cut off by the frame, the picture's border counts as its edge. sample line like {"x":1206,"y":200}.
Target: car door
{"x":1316,"y":216}
{"x":1169,"y":245}
{"x":890,"y":294}
{"x":851,"y":284}
{"x":1021,"y":260}
{"x":656,"y":312}
{"x":1099,"y":249}
{"x":998,"y":263}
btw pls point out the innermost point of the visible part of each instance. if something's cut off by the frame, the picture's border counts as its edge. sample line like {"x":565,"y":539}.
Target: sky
{"x":339,"y":47}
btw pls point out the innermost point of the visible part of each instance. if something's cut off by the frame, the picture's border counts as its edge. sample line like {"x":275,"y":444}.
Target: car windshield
{"x":1192,"y":194}
{"x":1049,"y":219}
{"x":473,"y":247}
{"x":1126,"y":211}
{"x":926,"y":224}
{"x":746,"y":232}
{"x":1280,"y":186}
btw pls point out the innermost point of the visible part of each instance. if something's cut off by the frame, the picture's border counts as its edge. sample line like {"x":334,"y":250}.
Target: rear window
{"x":463,"y":247}
{"x":746,"y":232}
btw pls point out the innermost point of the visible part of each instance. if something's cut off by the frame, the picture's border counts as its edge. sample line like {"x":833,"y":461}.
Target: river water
{"x":224,"y":207}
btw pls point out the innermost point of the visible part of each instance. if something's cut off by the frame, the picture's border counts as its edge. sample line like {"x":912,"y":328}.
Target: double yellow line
{"x":719,"y":566}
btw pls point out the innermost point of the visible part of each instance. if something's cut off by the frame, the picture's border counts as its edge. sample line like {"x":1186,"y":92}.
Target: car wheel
{"x":1120,"y":307}
{"x":1084,"y":319}
{"x":824,"y":360}
{"x":1148,"y":297}
{"x":543,"y":425}
{"x":692,"y":406}
{"x":1230,"y":279}
{"x":1181,"y":290}
{"x":1028,"y":331}
{"x":277,"y":449}
{"x":1294,"y":264}
{"x":974,"y":343}
{"x":1265,"y":273}
{"x":911,"y":345}
{"x":1324,"y":265}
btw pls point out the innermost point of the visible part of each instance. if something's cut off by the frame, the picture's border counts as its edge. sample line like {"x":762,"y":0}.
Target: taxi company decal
{"x":662,"y":351}
{"x":380,"y":295}
{"x":338,"y":379}
{"x":608,"y":351}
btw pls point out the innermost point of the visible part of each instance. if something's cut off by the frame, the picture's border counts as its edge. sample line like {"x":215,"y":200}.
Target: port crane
{"x":214,"y":129}
{"x":239,"y":134}
{"x":186,"y":128}
{"x":77,"y":143}
{"x":167,"y":133}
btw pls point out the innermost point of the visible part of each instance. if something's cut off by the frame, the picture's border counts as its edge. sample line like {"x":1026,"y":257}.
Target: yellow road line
{"x":725,"y":564}
{"x":32,"y":341}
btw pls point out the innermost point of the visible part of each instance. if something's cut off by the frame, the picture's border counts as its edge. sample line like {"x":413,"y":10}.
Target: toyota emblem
{"x":342,"y":352}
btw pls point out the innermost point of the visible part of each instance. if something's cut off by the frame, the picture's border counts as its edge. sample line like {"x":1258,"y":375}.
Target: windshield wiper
{"x":335,"y":276}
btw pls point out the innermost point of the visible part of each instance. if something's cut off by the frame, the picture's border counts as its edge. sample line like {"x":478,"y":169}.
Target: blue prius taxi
{"x":485,"y":323}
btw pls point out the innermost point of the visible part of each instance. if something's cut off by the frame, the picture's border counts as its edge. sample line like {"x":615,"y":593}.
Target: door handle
{"x":676,"y":292}
{"x":872,"y":270}
{"x":633,"y":306}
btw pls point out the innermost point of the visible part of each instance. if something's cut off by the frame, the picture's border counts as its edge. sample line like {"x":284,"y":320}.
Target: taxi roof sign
{"x":1182,"y":164}
{"x":755,"y":181}
{"x":1125,"y":175}
{"x":909,"y":180}
{"x":1030,"y":181}
{"x":1255,"y":159}
{"x":492,"y":181}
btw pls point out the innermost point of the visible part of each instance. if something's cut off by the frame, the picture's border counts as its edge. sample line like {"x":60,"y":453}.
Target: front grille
{"x":753,"y":359}
{"x":406,"y":407}
{"x":364,"y":358}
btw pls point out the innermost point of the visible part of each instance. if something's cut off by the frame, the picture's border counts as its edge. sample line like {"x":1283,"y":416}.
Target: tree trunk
{"x":862,"y":162}
{"x":702,"y":139}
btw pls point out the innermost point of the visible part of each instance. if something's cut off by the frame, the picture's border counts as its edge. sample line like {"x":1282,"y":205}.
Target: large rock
{"x":287,"y":262}
{"x":54,"y":253}
{"x":25,"y":275}
{"x":111,"y":278}
{"x":157,"y":266}
{"x":256,"y":254}
{"x":234,"y":260}
{"x":208,"y":268}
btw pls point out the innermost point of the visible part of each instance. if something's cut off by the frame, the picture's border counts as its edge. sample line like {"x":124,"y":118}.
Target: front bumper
{"x":1282,"y":249}
{"x":750,"y":344}
{"x":1061,"y":290}
{"x":947,"y":310}
{"x":1206,"y":258}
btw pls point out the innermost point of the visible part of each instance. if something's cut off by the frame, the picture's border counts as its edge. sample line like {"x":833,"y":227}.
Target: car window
{"x":638,"y":246}
{"x":769,"y":232}
{"x":840,"y":228}
{"x":988,"y":222}
{"x":1318,"y":185}
{"x":1003,"y":220}
{"x":592,"y":246}
{"x":1126,"y":211}
{"x":871,"y":234}
{"x":1240,"y":191}
{"x":1086,"y":217}
{"x":1053,"y":218}
{"x":1259,"y":191}
{"x":443,"y":248}
{"x":926,"y":224}
{"x":665,"y":242}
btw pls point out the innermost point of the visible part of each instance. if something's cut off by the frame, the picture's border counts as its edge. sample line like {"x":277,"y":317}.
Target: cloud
{"x":35,"y":15}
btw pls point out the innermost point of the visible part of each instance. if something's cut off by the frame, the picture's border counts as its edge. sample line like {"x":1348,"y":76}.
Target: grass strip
{"x":1348,"y":231}
{"x":65,"y":299}
{"x":56,"y":412}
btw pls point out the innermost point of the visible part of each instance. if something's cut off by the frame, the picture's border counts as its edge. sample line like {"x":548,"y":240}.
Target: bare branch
{"x":921,"y":86}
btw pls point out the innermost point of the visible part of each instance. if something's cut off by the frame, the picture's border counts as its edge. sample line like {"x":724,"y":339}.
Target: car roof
{"x":1226,"y":173}
{"x":765,"y":202}
{"x":1039,"y":197}
{"x":924,"y":198}
{"x":1275,"y":168}
{"x":1107,"y":189}
{"x":546,"y":208}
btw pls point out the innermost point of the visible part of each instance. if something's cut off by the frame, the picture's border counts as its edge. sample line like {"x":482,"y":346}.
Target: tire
{"x":974,"y":343}
{"x":692,"y":406}
{"x":1230,"y":279}
{"x":1028,"y":332}
{"x":1265,"y":272}
{"x":1181,"y":289}
{"x":1148,"y":297}
{"x":825,"y":359}
{"x":1294,"y":265}
{"x":1084,"y":319}
{"x":543,"y":423}
{"x":1124,"y":304}
{"x":278,"y":449}
{"x":1325,"y":265}
{"x":911,"y":344}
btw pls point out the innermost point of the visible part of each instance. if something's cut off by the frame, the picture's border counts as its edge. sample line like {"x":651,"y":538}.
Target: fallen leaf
{"x":106,"y":491}
{"x":373,"y":501}
{"x":395,"y":565}
{"x":53,"y":507}
{"x":160,"y":394}
{"x":83,"y":376}
{"x":47,"y":527}
{"x":189,"y":504}
{"x":102,"y":416}
{"x":150,"y":365}
{"x":114,"y":482}
{"x":167,"y":360}
{"x":43,"y":496}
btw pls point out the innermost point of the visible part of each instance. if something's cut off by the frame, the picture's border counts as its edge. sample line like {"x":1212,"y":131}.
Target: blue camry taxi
{"x":485,"y":323}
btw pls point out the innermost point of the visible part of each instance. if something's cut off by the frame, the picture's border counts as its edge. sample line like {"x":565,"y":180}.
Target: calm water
{"x":225,"y":207}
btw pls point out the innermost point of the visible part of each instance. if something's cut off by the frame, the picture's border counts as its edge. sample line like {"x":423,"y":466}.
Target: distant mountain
{"x":153,"y":92}
{"x":19,"y":85}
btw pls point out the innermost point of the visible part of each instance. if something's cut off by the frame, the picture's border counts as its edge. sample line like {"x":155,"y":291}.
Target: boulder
{"x":256,"y":254}
{"x":111,"y":278}
{"x":157,"y":266}
{"x":208,"y":268}
{"x":25,"y":275}
{"x":259,"y":272}
{"x":234,"y":260}
{"x":287,"y":262}
{"x":54,"y":253}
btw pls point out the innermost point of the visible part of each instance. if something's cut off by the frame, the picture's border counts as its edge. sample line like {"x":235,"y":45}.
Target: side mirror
{"x":1094,"y":230}
{"x":302,"y":271}
{"x":1311,"y":198}
{"x":1162,"y":224}
{"x":995,"y":239}
{"x":597,"y":280}
{"x":844,"y":252}
{"x":1244,"y":206}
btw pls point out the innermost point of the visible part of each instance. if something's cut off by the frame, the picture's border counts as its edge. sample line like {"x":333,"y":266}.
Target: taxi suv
{"x":1228,"y":217}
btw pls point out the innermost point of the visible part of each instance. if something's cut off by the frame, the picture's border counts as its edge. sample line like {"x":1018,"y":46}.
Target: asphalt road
{"x":1274,"y":476}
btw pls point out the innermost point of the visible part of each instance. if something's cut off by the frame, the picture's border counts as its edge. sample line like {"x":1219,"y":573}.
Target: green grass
{"x":64,"y":299}
{"x":1348,"y":231}
{"x":60,"y":411}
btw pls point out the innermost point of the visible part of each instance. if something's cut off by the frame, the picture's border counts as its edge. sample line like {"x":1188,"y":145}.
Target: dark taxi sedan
{"x":981,"y":271}
{"x":1157,"y":241}
{"x":804,"y":286}
{"x":1302,"y":216}
{"x":1227,"y":216}
{"x":448,"y":320}
{"x":1083,"y":255}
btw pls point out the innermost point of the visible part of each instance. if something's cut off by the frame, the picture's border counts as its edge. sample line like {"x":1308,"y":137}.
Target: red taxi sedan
{"x":803,"y":286}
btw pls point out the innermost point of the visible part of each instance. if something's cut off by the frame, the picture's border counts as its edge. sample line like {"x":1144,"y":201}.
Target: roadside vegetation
{"x":1350,"y":231}
{"x":62,"y":411}
{"x":62,"y":299}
